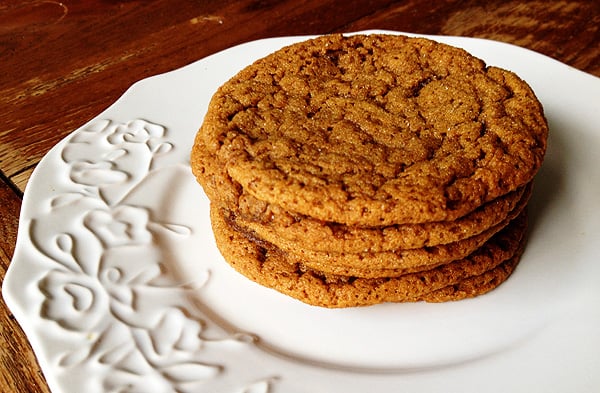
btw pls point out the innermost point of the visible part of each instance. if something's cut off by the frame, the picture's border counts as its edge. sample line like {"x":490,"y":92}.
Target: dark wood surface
{"x":61,"y":63}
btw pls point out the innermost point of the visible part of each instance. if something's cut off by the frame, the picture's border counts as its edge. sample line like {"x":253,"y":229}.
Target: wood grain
{"x":20,"y":371}
{"x":62,"y":63}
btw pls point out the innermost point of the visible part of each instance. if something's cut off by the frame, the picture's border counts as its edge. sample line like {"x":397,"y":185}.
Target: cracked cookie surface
{"x":373,"y":130}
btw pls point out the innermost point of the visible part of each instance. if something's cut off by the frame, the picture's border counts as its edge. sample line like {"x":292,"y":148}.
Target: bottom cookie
{"x":474,"y":286}
{"x":267,"y":265}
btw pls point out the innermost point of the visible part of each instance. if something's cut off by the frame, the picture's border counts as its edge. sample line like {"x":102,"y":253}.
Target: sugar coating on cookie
{"x":374,"y":130}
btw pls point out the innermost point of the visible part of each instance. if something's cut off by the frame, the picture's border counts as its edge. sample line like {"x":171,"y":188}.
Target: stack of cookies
{"x":354,"y":170}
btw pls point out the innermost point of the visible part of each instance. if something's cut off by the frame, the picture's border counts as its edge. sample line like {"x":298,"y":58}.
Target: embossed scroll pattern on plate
{"x":107,"y":285}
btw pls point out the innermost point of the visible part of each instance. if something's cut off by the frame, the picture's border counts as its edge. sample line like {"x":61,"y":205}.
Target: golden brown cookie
{"x":386,"y":263}
{"x":372,"y":130}
{"x":476,"y":285}
{"x":267,"y":265}
{"x":290,"y":231}
{"x":372,"y":265}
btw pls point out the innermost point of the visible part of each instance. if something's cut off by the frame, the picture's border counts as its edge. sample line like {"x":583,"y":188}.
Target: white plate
{"x":119,"y":287}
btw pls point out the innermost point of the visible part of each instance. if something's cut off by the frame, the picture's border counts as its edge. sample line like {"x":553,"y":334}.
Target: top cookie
{"x":374,"y":130}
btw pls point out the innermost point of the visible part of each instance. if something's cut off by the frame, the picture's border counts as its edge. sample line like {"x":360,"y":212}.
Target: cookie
{"x":267,"y":265}
{"x":372,"y":130}
{"x":387,"y":263}
{"x":292,"y":231}
{"x":402,"y":262}
{"x":476,"y":285}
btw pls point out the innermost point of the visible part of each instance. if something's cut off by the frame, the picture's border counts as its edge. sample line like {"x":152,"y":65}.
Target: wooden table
{"x":62,"y":63}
